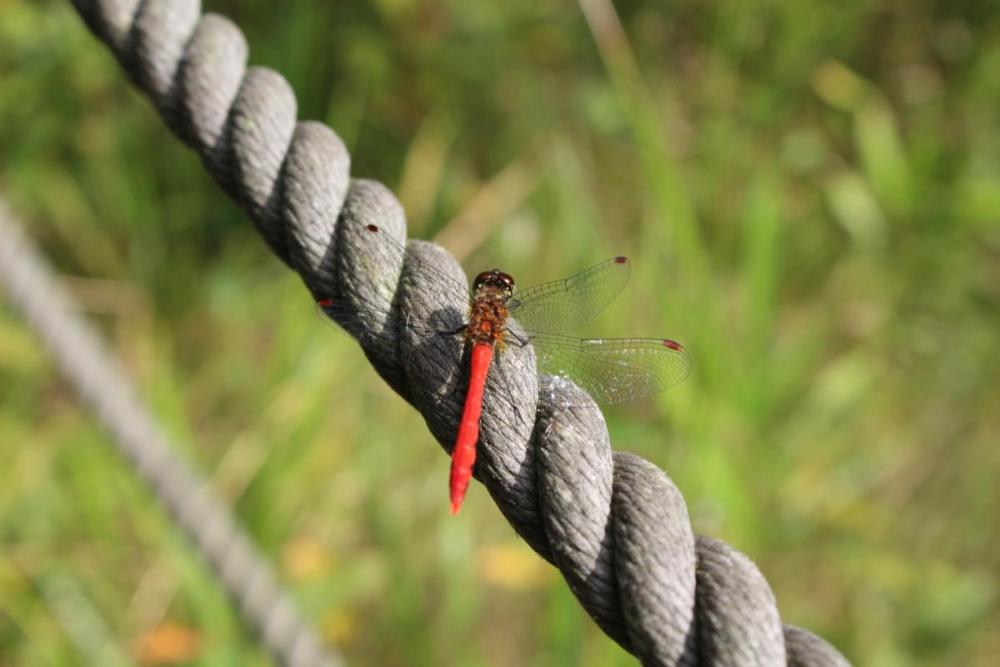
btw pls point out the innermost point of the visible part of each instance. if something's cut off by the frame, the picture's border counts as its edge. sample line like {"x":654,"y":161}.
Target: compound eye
{"x":480,"y":279}
{"x":508,"y":285}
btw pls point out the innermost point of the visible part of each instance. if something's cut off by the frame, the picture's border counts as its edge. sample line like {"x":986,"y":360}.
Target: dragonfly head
{"x":493,"y":282}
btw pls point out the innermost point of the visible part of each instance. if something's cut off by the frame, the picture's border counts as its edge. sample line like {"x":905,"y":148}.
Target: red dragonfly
{"x":610,"y":370}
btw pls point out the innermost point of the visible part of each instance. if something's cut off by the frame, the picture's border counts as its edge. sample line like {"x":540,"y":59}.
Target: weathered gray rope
{"x":101,"y":383}
{"x":614,"y":524}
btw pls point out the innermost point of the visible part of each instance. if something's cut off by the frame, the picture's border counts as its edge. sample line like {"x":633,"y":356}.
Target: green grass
{"x":811,"y":193}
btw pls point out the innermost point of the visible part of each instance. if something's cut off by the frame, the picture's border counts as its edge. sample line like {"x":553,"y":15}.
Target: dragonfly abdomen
{"x":463,"y":455}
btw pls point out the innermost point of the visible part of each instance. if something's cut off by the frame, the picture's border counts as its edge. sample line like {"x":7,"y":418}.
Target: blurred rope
{"x":613,"y":523}
{"x":104,"y":386}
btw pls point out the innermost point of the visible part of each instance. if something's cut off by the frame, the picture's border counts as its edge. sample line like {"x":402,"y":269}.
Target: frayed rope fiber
{"x":613,"y":523}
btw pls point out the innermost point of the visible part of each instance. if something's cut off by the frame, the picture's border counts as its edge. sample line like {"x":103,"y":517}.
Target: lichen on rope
{"x":613,"y":523}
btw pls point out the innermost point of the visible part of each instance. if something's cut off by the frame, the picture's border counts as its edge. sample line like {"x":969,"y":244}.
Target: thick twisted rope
{"x":614,"y":524}
{"x":205,"y":518}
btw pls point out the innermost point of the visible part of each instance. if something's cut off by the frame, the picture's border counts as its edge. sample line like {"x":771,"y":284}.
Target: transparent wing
{"x":375,"y":250}
{"x":363,"y":304}
{"x":372,"y":326}
{"x":613,"y":370}
{"x":564,"y":305}
{"x":386,"y":336}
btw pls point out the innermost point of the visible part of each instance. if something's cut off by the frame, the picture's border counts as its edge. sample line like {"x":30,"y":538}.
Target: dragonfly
{"x":609,"y":370}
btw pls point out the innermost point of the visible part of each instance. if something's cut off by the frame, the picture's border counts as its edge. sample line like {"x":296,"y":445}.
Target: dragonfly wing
{"x":613,"y":370}
{"x":383,"y":332}
{"x":386,"y":336}
{"x":370,"y":296}
{"x":567,"y":304}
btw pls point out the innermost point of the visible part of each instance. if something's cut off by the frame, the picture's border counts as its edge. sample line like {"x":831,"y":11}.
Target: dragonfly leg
{"x":520,"y":340}
{"x":453,"y":332}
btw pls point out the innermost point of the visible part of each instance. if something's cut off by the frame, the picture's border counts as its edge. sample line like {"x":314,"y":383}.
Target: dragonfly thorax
{"x":488,"y":312}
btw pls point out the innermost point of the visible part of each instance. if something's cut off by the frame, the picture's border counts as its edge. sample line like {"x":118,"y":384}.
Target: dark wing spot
{"x":325,"y":303}
{"x":372,"y":228}
{"x":673,"y":345}
{"x":620,"y":259}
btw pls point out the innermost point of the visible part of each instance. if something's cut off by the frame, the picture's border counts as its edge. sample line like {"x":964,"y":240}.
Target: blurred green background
{"x":811,"y":194}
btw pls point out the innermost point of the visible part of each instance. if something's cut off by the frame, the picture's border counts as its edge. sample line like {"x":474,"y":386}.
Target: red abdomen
{"x":463,"y":456}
